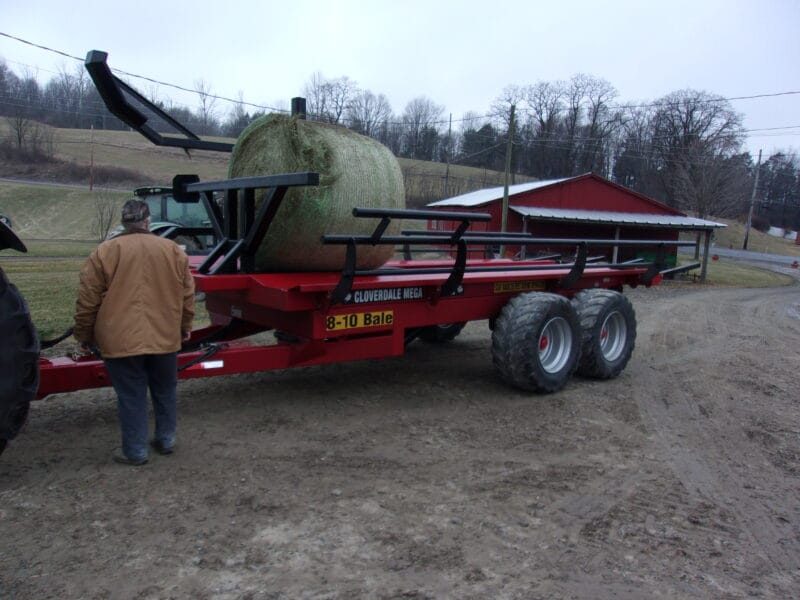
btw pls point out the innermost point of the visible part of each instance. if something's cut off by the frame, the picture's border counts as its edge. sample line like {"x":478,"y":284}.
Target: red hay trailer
{"x":549,"y":317}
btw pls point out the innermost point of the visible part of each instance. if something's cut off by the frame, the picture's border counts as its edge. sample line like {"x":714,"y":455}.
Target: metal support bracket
{"x":576,"y":272}
{"x":345,"y":285}
{"x":453,"y":283}
{"x":657,"y":266}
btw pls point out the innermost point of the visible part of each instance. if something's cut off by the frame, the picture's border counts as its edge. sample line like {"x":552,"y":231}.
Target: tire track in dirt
{"x":700,"y":436}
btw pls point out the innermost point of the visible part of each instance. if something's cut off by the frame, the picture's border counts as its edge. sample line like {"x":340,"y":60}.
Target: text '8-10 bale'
{"x":354,"y":170}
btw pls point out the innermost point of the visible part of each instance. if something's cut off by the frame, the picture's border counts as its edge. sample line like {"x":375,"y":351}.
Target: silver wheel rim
{"x":555,"y":344}
{"x":613,"y":335}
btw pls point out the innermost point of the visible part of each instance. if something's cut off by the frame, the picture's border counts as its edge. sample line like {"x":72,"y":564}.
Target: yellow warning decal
{"x":510,"y":287}
{"x":358,"y":320}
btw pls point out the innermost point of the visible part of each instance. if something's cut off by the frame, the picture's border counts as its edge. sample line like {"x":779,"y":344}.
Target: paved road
{"x":747,"y":255}
{"x":76,"y":186}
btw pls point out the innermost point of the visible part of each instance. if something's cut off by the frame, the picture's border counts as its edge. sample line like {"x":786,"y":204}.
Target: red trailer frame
{"x":374,"y":322}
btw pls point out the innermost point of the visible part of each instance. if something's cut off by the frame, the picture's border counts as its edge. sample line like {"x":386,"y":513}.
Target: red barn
{"x":586,"y":206}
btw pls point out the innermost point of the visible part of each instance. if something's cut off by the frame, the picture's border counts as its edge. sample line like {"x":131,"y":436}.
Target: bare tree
{"x":20,"y":127}
{"x":602,"y":122}
{"x":328,"y":99}
{"x":501,"y":107}
{"x":545,"y":103}
{"x":635,"y":164}
{"x":421,"y":119}
{"x":695,"y":134}
{"x":367,"y":111}
{"x":207,"y":109}
{"x":316,"y":95}
{"x":106,"y":209}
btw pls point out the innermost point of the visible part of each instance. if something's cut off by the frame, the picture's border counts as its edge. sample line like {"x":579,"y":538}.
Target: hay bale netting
{"x":354,"y":171}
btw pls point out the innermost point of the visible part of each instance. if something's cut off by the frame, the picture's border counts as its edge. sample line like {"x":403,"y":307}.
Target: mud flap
{"x":19,"y":360}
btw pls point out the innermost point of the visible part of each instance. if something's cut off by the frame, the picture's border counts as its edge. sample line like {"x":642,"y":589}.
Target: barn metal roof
{"x":623,"y":218}
{"x":490,"y":194}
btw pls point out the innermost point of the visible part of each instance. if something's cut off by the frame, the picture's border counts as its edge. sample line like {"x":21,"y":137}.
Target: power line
{"x":491,"y":115}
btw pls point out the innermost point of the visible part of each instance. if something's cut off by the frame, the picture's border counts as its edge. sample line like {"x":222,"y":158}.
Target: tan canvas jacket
{"x":136,"y":296}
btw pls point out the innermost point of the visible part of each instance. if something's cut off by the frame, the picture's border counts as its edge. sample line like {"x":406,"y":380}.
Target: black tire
{"x":608,"y":326}
{"x":191,"y":242}
{"x":439,"y":334}
{"x":536,"y":342}
{"x":19,"y":361}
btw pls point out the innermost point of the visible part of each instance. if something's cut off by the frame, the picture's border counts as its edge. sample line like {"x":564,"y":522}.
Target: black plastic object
{"x":9,"y":239}
{"x":19,"y":356}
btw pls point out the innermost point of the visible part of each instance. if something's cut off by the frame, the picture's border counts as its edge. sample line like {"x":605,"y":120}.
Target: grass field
{"x":43,"y":212}
{"x":50,"y":289}
{"x":733,"y":236}
{"x":424,"y":181}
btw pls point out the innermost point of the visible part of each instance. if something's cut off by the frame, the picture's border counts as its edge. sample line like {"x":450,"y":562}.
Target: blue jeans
{"x":131,"y":377}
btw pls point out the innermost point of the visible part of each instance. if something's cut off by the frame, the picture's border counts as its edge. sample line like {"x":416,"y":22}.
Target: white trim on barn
{"x":488,"y":195}
{"x":621,"y":218}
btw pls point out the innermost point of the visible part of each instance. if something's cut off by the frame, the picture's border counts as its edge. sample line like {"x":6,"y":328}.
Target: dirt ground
{"x":426,"y":477}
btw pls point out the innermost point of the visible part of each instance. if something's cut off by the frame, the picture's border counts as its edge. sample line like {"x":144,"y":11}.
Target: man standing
{"x":136,"y":304}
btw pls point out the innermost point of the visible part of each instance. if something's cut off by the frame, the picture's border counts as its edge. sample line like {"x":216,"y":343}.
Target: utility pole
{"x":449,"y":152}
{"x":91,"y":160}
{"x":752,"y":202}
{"x":509,"y":145}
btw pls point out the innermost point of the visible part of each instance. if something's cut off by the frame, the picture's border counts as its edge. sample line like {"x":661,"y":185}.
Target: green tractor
{"x":188,"y":224}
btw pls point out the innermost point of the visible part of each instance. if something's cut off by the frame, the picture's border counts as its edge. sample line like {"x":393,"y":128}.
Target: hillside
{"x":733,"y":236}
{"x":146,"y":164}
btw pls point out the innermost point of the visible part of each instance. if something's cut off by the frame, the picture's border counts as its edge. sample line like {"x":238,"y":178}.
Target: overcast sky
{"x":459,"y":54}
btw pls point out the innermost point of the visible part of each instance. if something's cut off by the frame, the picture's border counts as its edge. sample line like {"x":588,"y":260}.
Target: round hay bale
{"x":354,"y":171}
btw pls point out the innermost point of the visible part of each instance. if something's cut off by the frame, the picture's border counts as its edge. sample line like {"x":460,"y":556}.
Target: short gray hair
{"x":135,"y":211}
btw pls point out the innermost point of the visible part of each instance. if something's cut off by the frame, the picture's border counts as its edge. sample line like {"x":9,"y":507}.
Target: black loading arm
{"x":116,"y":94}
{"x":9,"y":239}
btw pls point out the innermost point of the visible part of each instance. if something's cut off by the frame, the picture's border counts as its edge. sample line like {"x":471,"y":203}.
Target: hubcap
{"x":613,"y":335}
{"x":555,"y":344}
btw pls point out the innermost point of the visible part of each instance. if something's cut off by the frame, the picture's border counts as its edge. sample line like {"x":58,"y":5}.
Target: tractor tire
{"x":19,"y":361}
{"x":439,"y":334}
{"x":536,"y":342}
{"x":608,"y":326}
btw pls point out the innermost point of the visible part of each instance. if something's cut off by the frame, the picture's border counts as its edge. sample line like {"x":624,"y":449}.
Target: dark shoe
{"x":159,"y":447}
{"x":119,"y":457}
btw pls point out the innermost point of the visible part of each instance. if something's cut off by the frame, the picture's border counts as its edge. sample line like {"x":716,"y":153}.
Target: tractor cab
{"x":187,"y":223}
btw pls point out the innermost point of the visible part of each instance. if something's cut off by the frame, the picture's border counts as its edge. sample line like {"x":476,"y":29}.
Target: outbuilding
{"x":587,"y":207}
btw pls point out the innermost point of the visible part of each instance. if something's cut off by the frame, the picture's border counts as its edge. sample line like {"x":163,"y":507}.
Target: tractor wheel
{"x":439,"y":334}
{"x":536,"y":342}
{"x":608,"y":325}
{"x":19,"y":356}
{"x":191,"y":243}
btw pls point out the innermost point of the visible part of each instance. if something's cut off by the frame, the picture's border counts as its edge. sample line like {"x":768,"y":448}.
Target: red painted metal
{"x":298,"y":305}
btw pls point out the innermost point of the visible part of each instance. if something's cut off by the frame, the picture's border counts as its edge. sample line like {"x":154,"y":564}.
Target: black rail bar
{"x":681,"y":269}
{"x":494,"y":239}
{"x":240,"y":227}
{"x":420,"y":215}
{"x":176,"y":230}
{"x":460,"y":237}
{"x":455,"y":238}
{"x":433,"y":232}
{"x":495,"y":269}
{"x":113,"y":90}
